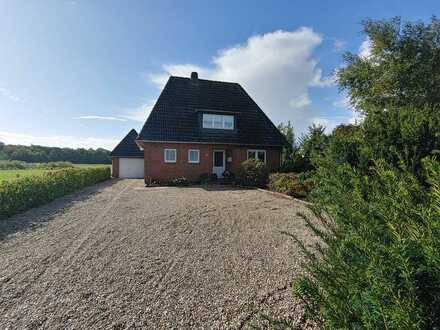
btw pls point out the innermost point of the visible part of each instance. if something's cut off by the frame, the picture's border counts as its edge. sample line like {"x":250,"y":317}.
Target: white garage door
{"x":131,"y":168}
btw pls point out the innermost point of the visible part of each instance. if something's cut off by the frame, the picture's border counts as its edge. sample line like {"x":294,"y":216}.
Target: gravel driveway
{"x":119,"y":255}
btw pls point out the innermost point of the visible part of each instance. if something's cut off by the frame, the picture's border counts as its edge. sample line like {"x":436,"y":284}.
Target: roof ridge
{"x":215,"y":81}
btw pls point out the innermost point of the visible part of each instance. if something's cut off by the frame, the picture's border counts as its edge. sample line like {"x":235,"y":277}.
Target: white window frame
{"x":256,"y":154}
{"x":198,"y":156}
{"x":165,"y":156}
{"x":222,"y":119}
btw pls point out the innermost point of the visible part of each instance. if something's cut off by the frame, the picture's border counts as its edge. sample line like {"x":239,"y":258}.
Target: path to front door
{"x":218,"y":163}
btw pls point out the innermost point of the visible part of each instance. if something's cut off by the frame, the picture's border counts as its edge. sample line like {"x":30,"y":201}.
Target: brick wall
{"x":156,"y":168}
{"x":115,"y":167}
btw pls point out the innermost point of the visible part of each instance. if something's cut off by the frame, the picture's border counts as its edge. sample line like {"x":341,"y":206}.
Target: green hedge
{"x":292,"y":184}
{"x":27,"y":192}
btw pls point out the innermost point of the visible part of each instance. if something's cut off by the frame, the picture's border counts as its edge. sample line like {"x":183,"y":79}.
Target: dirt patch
{"x":119,"y":255}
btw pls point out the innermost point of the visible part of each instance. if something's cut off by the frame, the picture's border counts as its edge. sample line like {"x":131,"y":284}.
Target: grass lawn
{"x":13,"y":174}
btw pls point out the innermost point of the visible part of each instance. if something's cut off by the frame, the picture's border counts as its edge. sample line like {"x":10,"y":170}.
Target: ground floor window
{"x":170,"y":155}
{"x":257,"y":154}
{"x":193,"y":156}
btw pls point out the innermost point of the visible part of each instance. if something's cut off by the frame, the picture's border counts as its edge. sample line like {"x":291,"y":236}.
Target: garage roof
{"x":128,"y":147}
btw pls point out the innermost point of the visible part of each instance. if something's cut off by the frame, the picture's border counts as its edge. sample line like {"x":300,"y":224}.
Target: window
{"x":208,"y":121}
{"x":193,"y":156}
{"x":257,"y":154}
{"x":218,"y":121}
{"x":170,"y":155}
{"x":228,"y":122}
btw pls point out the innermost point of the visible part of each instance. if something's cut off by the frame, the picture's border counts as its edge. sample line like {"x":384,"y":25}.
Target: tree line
{"x":42,"y":154}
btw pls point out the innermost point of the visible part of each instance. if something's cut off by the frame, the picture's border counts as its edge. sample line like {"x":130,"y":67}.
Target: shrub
{"x":180,"y":182}
{"x":252,"y":173}
{"x":292,"y":184}
{"x":345,"y":146}
{"x":207,"y":178}
{"x":378,"y":264}
{"x":54,"y":165}
{"x":20,"y":165}
{"x":296,"y":164}
{"x":27,"y":192}
{"x":13,"y":165}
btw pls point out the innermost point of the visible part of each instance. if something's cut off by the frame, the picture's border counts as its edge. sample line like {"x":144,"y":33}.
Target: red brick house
{"x":203,"y":126}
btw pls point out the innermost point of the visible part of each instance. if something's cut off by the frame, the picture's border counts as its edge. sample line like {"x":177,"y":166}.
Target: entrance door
{"x":219,"y":163}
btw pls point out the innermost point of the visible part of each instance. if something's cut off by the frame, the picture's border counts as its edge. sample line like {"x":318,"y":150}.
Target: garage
{"x":128,"y":158}
{"x":131,"y":168}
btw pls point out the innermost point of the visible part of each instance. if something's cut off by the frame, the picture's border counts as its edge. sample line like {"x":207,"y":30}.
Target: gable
{"x":128,"y":147}
{"x":177,"y":115}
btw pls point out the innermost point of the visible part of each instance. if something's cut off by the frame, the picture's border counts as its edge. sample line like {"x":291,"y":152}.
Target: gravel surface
{"x":119,"y":255}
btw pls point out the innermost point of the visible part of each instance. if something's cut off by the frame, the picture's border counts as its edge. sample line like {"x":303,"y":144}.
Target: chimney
{"x":194,"y":76}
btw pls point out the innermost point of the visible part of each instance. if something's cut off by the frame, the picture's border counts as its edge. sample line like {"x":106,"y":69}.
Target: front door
{"x":219,"y":163}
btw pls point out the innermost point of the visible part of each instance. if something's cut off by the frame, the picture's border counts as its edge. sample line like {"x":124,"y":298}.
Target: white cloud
{"x":356,"y":117}
{"x":353,"y":117}
{"x":182,"y":70}
{"x":338,"y":44}
{"x":302,"y":101}
{"x":343,"y":102}
{"x":320,"y":81}
{"x":101,"y":118}
{"x":365,"y":48}
{"x":329,"y":124}
{"x":8,"y":94}
{"x":277,"y":69}
{"x":58,"y":141}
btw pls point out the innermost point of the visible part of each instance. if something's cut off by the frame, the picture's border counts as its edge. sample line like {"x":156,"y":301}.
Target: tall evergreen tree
{"x":377,"y":201}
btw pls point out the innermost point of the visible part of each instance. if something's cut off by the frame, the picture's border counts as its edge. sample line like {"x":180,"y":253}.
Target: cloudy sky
{"x":82,"y":73}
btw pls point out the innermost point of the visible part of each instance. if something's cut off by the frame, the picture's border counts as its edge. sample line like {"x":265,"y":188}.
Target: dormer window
{"x":218,"y":121}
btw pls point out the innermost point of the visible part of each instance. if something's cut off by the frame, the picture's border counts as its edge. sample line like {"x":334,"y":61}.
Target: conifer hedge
{"x":24,"y":193}
{"x":377,"y":193}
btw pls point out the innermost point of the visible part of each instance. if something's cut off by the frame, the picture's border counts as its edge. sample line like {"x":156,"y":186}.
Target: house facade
{"x":200,"y":126}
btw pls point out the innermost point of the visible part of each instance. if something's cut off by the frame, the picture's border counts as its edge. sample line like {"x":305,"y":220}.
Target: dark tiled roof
{"x":177,"y":114}
{"x":128,"y":147}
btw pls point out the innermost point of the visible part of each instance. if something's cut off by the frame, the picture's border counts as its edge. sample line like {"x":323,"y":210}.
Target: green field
{"x":14,"y":174}
{"x":92,"y":165}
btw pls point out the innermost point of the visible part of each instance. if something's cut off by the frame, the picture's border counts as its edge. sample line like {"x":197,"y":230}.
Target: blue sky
{"x":81,"y":73}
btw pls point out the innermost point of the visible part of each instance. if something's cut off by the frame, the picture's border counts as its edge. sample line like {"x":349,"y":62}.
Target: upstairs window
{"x":218,"y":121}
{"x":257,"y":154}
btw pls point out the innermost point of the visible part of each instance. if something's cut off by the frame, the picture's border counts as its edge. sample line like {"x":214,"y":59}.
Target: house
{"x":204,"y":126}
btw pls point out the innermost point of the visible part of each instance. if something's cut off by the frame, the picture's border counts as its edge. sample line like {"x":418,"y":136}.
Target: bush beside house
{"x":180,"y":182}
{"x":292,"y":184}
{"x":252,"y":173}
{"x":24,"y":193}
